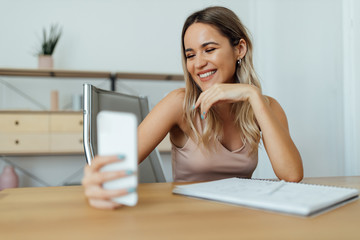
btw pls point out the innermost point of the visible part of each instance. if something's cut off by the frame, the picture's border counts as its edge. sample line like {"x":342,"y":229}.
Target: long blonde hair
{"x":231,"y":27}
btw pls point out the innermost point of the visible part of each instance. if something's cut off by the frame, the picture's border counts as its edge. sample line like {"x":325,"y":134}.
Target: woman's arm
{"x":162,"y":118}
{"x":283,"y":154}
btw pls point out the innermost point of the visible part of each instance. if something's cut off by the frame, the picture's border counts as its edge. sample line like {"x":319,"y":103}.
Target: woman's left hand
{"x":224,"y":93}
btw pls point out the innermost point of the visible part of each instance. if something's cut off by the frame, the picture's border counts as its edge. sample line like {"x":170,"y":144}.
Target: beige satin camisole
{"x":194,"y":163}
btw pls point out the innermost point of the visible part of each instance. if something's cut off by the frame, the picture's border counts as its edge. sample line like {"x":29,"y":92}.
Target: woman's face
{"x":210,"y":58}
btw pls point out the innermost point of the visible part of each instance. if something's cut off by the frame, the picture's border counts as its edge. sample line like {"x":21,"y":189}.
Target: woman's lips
{"x":205,"y":76}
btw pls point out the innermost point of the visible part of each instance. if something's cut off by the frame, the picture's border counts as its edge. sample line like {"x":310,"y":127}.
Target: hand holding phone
{"x":117,"y":135}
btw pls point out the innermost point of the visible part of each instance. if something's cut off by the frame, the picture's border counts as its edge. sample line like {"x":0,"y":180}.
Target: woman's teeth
{"x":204,"y":75}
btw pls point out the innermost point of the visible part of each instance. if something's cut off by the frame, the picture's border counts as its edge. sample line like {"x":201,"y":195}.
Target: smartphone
{"x":117,"y":135}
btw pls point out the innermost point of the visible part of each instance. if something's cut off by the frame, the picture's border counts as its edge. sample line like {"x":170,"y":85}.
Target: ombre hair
{"x":230,"y":26}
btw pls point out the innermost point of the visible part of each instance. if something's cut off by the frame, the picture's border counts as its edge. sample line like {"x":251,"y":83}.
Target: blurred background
{"x":306,"y":53}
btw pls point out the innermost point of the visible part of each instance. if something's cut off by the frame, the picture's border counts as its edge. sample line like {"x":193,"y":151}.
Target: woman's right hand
{"x":93,"y":180}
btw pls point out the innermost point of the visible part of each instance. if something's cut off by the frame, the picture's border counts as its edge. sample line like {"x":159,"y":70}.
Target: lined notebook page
{"x":293,"y":198}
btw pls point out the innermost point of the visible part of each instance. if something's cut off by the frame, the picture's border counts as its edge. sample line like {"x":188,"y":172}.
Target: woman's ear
{"x":241,"y":49}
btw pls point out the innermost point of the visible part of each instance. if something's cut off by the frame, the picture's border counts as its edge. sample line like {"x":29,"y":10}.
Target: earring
{"x":239,"y":61}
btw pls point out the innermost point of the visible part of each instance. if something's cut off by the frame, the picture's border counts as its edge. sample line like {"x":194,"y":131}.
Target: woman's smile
{"x":206,"y":75}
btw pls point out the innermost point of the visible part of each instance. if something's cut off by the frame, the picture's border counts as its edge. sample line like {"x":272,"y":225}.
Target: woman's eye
{"x":209,"y":49}
{"x":190,"y":56}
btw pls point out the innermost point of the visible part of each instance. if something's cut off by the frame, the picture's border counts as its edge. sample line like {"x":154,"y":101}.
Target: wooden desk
{"x":62,"y":213}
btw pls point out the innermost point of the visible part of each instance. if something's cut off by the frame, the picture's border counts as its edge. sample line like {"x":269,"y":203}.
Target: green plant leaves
{"x":50,"y":40}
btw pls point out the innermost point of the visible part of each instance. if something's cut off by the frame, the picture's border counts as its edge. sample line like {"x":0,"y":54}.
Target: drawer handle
{"x":17,"y":123}
{"x":81,"y":123}
{"x":17,"y":142}
{"x":81,"y":141}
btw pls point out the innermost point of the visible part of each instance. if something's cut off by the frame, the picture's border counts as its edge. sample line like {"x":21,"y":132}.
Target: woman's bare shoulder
{"x":177,"y":94}
{"x":178,"y":132}
{"x":175,"y":103}
{"x":277,"y":110}
{"x":175,"y":99}
{"x":274,"y":104}
{"x":172,"y":103}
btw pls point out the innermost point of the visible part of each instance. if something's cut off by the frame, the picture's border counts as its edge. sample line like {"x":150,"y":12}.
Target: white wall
{"x":355,"y":166}
{"x":127,"y":35}
{"x":301,"y":66}
{"x":299,"y":55}
{"x":351,"y":76}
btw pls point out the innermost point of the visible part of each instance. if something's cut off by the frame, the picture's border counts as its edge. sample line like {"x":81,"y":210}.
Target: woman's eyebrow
{"x":202,"y":46}
{"x":208,"y":43}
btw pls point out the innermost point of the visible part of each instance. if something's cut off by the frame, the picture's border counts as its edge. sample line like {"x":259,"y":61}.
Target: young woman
{"x":217,"y":121}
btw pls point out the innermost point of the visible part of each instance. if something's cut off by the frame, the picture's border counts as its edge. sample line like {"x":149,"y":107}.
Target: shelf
{"x":89,"y":74}
{"x":150,"y":76}
{"x":36,"y":154}
{"x":16,"y":111}
{"x":53,"y":73}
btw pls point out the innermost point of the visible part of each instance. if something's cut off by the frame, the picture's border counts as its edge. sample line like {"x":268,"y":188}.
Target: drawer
{"x":66,"y":142}
{"x":24,"y":143}
{"x":66,"y":122}
{"x":32,"y":123}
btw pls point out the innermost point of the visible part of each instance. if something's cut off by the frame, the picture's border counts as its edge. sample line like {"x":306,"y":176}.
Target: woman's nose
{"x":200,"y":61}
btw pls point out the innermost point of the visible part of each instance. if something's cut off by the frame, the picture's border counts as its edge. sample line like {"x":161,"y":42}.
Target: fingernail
{"x":129,"y":172}
{"x":202,"y":117}
{"x":131,"y":190}
{"x":193,"y":106}
{"x":121,"y":156}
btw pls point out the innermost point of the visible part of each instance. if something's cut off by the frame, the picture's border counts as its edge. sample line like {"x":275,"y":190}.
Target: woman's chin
{"x":206,"y":86}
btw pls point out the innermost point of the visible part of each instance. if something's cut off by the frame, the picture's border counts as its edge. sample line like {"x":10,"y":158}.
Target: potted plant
{"x":48,"y":44}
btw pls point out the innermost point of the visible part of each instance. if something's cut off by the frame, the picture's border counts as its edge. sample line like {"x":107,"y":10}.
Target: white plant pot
{"x":46,"y":61}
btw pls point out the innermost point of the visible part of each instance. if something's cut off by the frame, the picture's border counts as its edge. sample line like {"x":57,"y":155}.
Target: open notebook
{"x":292,"y":198}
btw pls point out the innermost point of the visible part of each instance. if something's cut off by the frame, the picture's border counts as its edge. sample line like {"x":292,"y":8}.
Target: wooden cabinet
{"x":35,"y":132}
{"x":22,"y":122}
